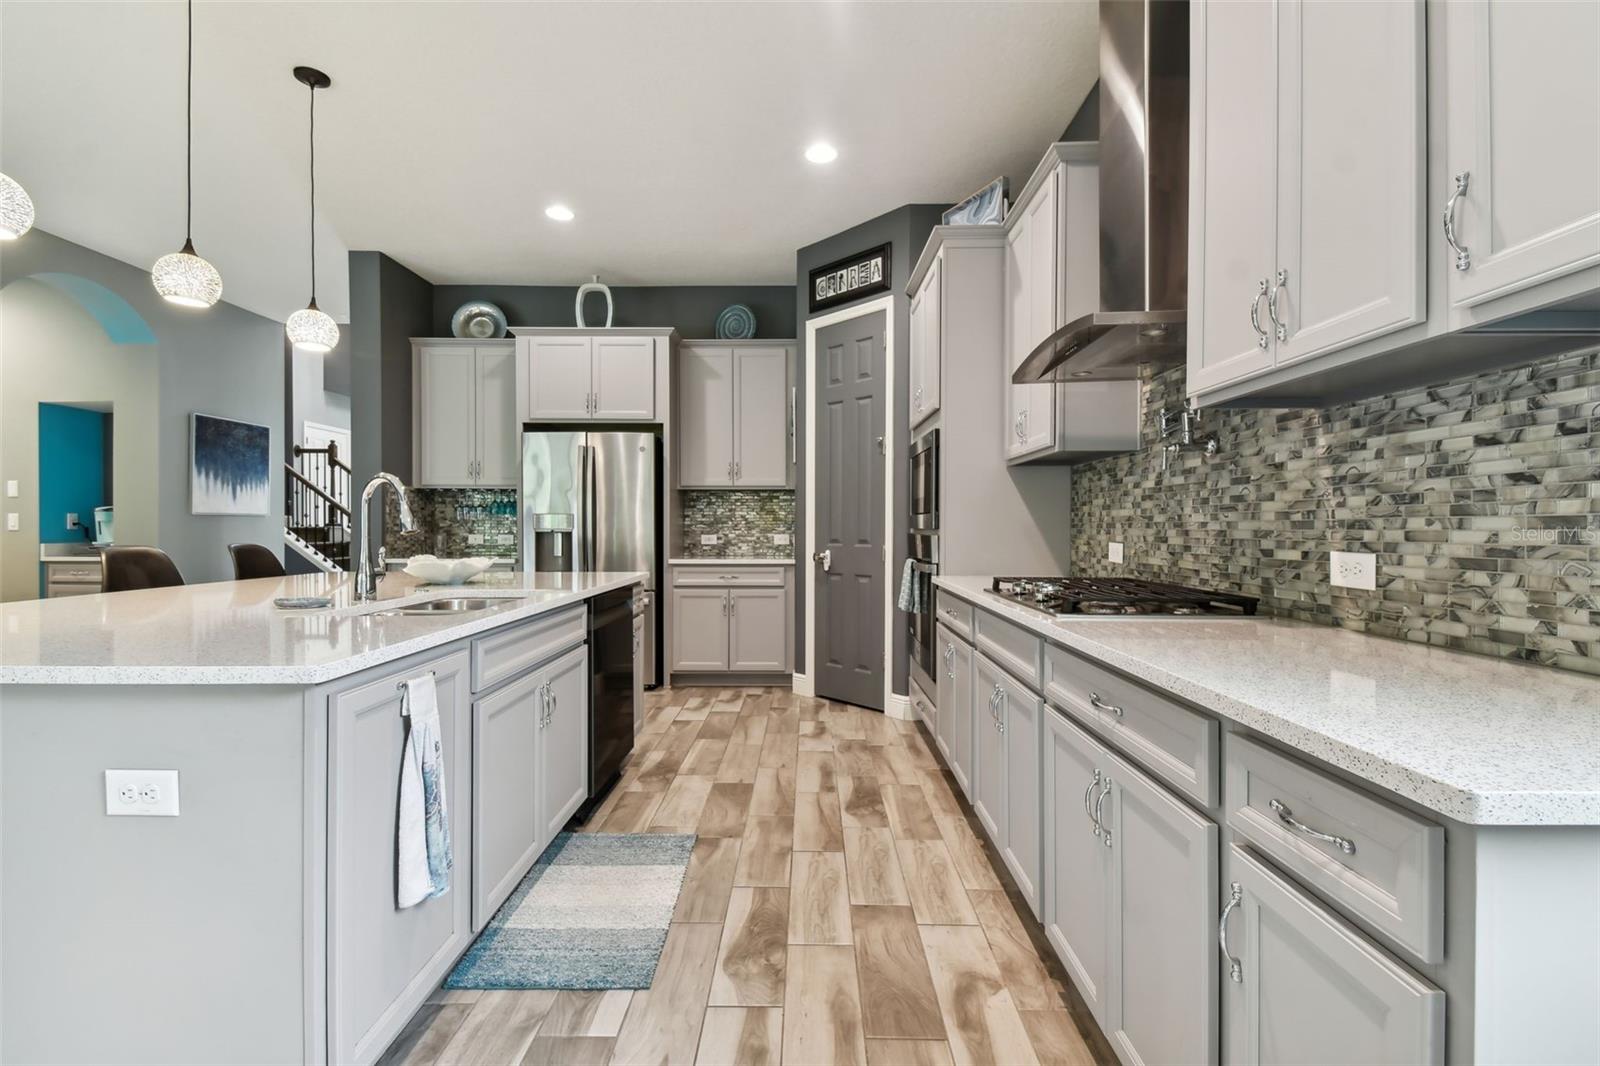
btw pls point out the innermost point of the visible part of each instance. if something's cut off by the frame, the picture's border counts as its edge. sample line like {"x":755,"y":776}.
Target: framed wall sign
{"x":851,"y":278}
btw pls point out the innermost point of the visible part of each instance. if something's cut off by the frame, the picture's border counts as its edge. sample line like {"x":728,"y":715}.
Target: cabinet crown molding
{"x":593,"y":331}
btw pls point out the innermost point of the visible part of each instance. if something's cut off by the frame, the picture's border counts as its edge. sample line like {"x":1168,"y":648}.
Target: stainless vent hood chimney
{"x":1144,"y":203}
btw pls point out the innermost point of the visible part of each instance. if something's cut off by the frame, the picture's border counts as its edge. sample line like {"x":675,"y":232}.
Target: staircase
{"x":316,"y":522}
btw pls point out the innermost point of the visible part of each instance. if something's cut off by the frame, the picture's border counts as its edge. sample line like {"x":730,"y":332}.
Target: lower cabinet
{"x":564,"y":742}
{"x":382,"y":961}
{"x":955,"y":706}
{"x":1006,"y":790}
{"x":736,"y":619}
{"x":1130,"y":892}
{"x":758,"y":629}
{"x":1304,"y":986}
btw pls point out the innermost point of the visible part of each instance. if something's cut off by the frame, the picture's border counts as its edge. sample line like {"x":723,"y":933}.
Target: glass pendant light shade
{"x":16,"y":210}
{"x":310,"y":329}
{"x":185,"y":279}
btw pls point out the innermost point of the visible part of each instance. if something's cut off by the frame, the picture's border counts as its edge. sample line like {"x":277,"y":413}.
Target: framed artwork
{"x":230,"y":466}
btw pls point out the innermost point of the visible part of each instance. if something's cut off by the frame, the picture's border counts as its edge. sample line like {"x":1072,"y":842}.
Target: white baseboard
{"x":898,"y":706}
{"x":802,"y":686}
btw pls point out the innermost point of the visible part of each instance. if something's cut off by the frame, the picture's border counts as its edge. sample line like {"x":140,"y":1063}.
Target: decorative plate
{"x":435,"y":571}
{"x":736,"y":322}
{"x":478,"y":320}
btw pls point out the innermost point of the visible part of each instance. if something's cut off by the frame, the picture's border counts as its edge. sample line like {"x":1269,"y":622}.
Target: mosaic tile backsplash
{"x":446,"y":517}
{"x":745,"y":518}
{"x":1481,"y":499}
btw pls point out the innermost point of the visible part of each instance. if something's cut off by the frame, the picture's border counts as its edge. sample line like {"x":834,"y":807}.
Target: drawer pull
{"x":1286,"y":816}
{"x":1094,"y":698}
{"x":1235,"y":897}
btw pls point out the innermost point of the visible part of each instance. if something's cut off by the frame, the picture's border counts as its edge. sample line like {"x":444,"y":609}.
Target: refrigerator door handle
{"x":587,"y":552}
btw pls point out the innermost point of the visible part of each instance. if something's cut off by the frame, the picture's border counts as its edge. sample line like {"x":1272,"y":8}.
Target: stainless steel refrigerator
{"x":591,"y":501}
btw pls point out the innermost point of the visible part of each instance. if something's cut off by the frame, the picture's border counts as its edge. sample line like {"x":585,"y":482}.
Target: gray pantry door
{"x":850,"y":369}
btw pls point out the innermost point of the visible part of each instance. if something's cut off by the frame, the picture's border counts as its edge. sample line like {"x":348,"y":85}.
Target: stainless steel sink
{"x":440,"y":607}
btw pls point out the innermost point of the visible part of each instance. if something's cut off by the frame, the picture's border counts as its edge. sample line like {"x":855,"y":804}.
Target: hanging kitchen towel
{"x":422,"y":834}
{"x":909,"y":597}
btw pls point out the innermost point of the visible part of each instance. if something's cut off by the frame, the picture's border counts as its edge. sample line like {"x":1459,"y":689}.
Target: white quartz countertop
{"x":731,"y":562}
{"x":1480,"y":740}
{"x":229,"y":632}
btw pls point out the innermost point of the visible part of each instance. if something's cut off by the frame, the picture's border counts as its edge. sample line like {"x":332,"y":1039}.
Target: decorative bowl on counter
{"x":436,"y":571}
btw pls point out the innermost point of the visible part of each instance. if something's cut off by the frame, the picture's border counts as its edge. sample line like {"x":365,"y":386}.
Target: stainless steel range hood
{"x":1144,"y":203}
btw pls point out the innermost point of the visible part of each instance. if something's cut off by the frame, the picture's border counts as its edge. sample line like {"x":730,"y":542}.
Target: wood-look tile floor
{"x":840,"y":907}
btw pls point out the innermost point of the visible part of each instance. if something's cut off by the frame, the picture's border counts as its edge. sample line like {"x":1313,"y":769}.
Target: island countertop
{"x":1480,"y":740}
{"x":229,"y":632}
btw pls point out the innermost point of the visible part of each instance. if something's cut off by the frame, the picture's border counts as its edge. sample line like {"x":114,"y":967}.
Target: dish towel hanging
{"x":910,"y":591}
{"x":422,"y":834}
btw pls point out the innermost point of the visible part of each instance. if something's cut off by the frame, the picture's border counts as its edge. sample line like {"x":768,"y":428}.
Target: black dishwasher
{"x":611,"y":707}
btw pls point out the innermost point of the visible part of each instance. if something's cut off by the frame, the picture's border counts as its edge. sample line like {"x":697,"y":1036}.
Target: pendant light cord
{"x":313,"y":141}
{"x":188,"y":138}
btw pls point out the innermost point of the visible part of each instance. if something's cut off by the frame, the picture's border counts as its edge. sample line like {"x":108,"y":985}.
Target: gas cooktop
{"x":1118,"y":595}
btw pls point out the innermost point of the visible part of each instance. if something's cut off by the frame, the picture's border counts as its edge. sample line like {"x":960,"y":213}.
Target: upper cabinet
{"x":927,"y":348}
{"x":464,"y":413}
{"x":1335,"y":217}
{"x":603,"y":375}
{"x":1522,"y":143}
{"x":734,"y":427}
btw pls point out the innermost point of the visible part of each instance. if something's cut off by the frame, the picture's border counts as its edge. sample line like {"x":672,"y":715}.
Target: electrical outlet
{"x":142,"y":793}
{"x":474,"y":538}
{"x":1353,"y":570}
{"x":780,"y":538}
{"x":1114,"y":551}
{"x":13,"y":522}
{"x":72,"y":520}
{"x":709,"y":540}
{"x":11,"y":489}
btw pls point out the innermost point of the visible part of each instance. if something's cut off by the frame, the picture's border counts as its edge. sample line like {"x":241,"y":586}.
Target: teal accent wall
{"x":72,"y":472}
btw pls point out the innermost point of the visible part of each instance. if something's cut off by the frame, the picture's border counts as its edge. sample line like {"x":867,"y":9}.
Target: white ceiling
{"x":674,"y":130}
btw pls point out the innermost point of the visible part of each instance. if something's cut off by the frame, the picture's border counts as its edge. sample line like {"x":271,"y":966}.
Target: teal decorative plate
{"x":736,"y":322}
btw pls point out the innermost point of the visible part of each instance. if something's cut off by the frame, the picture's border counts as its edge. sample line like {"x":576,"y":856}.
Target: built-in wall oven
{"x":924,"y":555}
{"x":924,"y":482}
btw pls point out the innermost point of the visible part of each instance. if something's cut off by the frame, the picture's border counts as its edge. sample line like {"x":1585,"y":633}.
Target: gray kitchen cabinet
{"x":1522,"y":129}
{"x":956,"y":704}
{"x":1305,"y":986}
{"x":1077,"y":883}
{"x":1031,"y":247}
{"x":733,"y":414}
{"x":927,"y":351}
{"x":699,"y":629}
{"x":598,"y":376}
{"x":505,"y":798}
{"x":563,"y":763}
{"x":465,"y":428}
{"x":81,"y":578}
{"x":758,"y":629}
{"x":382,"y":962}
{"x":1020,"y":715}
{"x":988,"y":750}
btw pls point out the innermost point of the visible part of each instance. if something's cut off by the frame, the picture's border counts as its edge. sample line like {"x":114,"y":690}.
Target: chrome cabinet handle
{"x":1255,"y":314}
{"x":1017,"y":425}
{"x":999,"y":714}
{"x":1286,"y":816}
{"x":1099,"y":704}
{"x":1279,"y":283}
{"x":1463,"y":255}
{"x":1088,"y":795}
{"x":949,"y":660}
{"x":738,"y":471}
{"x":1104,"y":830}
{"x":1235,"y":897}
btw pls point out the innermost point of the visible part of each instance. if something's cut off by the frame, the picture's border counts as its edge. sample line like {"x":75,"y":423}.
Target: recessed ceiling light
{"x":559,"y":212}
{"x":822,"y":152}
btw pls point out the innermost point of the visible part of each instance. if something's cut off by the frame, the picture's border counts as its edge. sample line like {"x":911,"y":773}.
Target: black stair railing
{"x":317,"y":500}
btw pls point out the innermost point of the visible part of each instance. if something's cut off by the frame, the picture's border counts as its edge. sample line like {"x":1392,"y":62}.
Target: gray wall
{"x":906,"y":230}
{"x":222,"y":361}
{"x":388,"y":306}
{"x":312,"y":396}
{"x":692,"y":309}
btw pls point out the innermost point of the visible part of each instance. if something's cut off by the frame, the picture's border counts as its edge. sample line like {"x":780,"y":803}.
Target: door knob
{"x":823,"y":557}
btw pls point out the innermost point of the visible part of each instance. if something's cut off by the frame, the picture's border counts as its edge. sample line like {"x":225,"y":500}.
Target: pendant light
{"x":182,"y":277}
{"x":16,"y":210}
{"x":311,"y":329}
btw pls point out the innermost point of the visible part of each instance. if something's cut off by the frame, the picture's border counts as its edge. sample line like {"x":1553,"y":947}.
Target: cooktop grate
{"x":1119,"y":595}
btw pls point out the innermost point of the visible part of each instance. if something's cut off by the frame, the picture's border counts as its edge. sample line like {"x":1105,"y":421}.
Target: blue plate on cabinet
{"x":736,"y":322}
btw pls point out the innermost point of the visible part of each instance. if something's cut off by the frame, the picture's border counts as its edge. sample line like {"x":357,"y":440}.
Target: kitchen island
{"x":260,"y":924}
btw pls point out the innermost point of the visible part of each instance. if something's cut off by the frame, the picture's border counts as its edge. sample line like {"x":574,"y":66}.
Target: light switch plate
{"x":142,"y":793}
{"x":11,"y":489}
{"x":1353,"y":570}
{"x":1114,"y":551}
{"x":13,"y":522}
{"x":780,"y":538}
{"x":708,"y":540}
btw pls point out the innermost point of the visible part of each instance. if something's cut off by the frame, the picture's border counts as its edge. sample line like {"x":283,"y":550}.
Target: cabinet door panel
{"x":1162,"y":1002}
{"x":955,"y":707}
{"x":699,"y":629}
{"x":1313,"y":989}
{"x":758,"y":629}
{"x":1351,"y":158}
{"x":1077,"y":864}
{"x":988,"y":752}
{"x":505,"y":800}
{"x":926,"y":341}
{"x":1016,"y":332}
{"x":1021,"y":712}
{"x":498,"y":432}
{"x":446,"y":396}
{"x":382,"y":961}
{"x":564,"y":742}
{"x":705,"y":417}
{"x":559,"y":370}
{"x":1523,"y":122}
{"x":1044,"y":248}
{"x":760,"y":413}
{"x":916,"y":336}
{"x":625,"y":378}
{"x":1232,"y":186}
